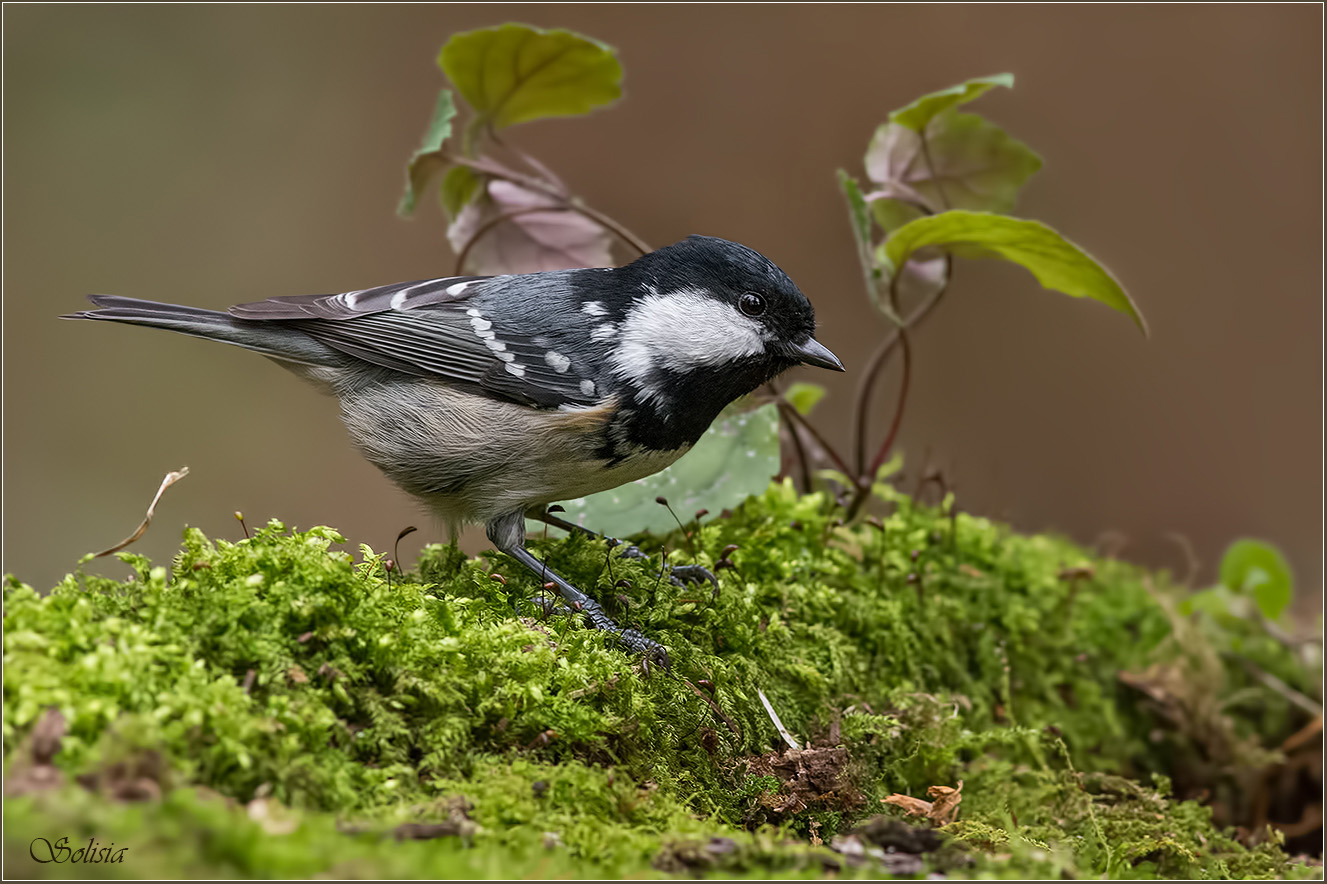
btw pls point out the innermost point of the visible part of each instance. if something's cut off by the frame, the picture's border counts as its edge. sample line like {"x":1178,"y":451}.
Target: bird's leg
{"x":678,"y":574}
{"x":507,"y":533}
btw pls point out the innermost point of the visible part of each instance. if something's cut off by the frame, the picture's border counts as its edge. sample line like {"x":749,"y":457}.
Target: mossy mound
{"x":282,"y":710}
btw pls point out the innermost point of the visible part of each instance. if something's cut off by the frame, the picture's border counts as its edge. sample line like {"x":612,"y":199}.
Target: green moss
{"x":933,"y":648}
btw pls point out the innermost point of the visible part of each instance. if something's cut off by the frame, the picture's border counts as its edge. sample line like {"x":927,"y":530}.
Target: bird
{"x":488,"y":398}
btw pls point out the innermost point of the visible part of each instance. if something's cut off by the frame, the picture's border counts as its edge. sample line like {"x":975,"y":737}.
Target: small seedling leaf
{"x":804,"y":397}
{"x":1252,"y":567}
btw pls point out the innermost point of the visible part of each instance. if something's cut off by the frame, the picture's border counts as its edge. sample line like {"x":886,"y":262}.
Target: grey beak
{"x":812,"y":352}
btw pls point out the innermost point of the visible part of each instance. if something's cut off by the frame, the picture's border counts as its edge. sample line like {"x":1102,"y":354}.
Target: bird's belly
{"x":470,"y":458}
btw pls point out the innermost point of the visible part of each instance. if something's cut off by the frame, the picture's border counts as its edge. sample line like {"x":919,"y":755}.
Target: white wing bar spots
{"x":557,"y":361}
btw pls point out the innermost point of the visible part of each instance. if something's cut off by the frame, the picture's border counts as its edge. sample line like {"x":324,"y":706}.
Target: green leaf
{"x":515,"y":73}
{"x":1057,"y":263}
{"x":966,"y":162}
{"x":459,"y":187}
{"x":428,"y":160}
{"x":860,"y":218}
{"x":891,"y":214}
{"x":1251,"y":566}
{"x":804,"y":397}
{"x":735,"y":459}
{"x":916,"y":115}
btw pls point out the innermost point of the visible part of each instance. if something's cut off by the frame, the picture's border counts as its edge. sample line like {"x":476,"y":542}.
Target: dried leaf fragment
{"x":940,"y":811}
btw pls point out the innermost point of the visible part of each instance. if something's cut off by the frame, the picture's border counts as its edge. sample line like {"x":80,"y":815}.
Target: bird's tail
{"x":279,"y":340}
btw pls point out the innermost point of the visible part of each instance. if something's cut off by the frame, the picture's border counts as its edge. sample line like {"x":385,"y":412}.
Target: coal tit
{"x":488,"y":398}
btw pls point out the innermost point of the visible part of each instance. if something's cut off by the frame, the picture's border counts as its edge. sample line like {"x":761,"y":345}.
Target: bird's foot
{"x":678,"y":575}
{"x":652,"y":652}
{"x":684,"y":574}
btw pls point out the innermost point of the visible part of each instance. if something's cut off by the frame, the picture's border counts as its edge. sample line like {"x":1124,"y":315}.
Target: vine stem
{"x":799,"y":448}
{"x":530,"y":182}
{"x":866,"y":477}
{"x":796,"y":417}
{"x":874,"y":365}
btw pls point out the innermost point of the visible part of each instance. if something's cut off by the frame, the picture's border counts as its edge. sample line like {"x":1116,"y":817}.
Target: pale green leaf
{"x":459,"y":187}
{"x":1258,"y":569}
{"x":428,"y":159}
{"x":859,"y":217}
{"x":515,"y":73}
{"x":804,"y":397}
{"x":735,"y":459}
{"x":916,"y":115}
{"x":1057,"y":263}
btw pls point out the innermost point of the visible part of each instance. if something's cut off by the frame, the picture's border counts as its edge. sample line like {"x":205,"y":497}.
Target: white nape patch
{"x":649,"y":289}
{"x":594,"y":308}
{"x":605,"y":332}
{"x":557,"y":361}
{"x":587,"y":387}
{"x":457,"y":288}
{"x":518,"y":370}
{"x":682,"y":330}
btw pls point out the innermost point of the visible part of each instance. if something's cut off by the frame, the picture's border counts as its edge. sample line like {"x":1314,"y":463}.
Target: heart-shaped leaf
{"x":1057,"y":263}
{"x":515,"y":73}
{"x":966,"y":162}
{"x":1257,"y":568}
{"x":916,"y":115}
{"x":428,"y":160}
{"x":529,"y":239}
{"x":735,"y":459}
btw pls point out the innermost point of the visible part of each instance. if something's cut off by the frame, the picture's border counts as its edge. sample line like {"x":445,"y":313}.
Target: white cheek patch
{"x":683,"y":330}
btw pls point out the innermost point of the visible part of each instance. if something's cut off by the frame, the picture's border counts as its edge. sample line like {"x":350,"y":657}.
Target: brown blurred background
{"x":215,"y":154}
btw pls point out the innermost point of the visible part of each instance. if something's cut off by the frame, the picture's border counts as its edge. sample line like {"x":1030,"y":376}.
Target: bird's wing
{"x":434,"y":328}
{"x":352,"y":305}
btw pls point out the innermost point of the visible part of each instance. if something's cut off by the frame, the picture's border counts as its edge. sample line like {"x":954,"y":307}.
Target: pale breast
{"x":470,"y":458}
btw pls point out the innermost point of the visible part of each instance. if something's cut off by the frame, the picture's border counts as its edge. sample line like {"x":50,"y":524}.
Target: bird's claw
{"x":681,"y":575}
{"x":652,"y":651}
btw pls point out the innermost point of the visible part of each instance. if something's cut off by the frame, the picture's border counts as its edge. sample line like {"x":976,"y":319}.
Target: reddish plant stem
{"x":795,"y":416}
{"x":874,"y":366}
{"x":795,"y":434}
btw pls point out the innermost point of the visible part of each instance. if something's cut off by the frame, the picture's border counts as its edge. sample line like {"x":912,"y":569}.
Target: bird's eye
{"x":752,"y":304}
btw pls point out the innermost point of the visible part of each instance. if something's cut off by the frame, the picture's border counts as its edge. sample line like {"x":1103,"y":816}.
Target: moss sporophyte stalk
{"x":274,"y":707}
